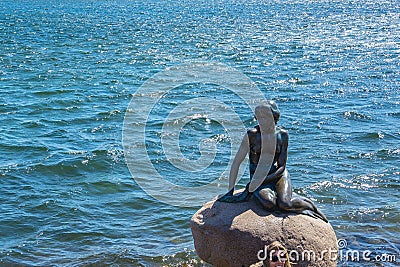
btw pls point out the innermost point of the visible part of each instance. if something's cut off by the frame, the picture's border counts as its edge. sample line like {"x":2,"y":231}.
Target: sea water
{"x":69,"y":70}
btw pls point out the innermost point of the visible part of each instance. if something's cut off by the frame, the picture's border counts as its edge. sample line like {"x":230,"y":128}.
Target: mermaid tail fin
{"x":316,"y":213}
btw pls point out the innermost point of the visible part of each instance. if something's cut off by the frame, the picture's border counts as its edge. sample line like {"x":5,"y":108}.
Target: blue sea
{"x":70,"y":73}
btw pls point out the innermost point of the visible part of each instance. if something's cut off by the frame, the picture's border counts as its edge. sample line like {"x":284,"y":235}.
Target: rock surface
{"x":232,"y":234}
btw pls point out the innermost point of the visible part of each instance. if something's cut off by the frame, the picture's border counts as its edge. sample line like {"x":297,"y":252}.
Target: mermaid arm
{"x":239,"y":157}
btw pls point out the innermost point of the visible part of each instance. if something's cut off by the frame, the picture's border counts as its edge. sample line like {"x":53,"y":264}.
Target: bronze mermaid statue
{"x":270,"y":184}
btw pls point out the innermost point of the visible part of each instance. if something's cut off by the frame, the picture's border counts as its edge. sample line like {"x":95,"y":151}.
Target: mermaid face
{"x":262,"y":111}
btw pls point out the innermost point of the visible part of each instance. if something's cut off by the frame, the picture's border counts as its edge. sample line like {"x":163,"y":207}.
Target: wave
{"x":370,"y":136}
{"x":56,"y":92}
{"x":14,"y":148}
{"x":381,"y":154}
{"x":356,"y":116}
{"x":68,"y":163}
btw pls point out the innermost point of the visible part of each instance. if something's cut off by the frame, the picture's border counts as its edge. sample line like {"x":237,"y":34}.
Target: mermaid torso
{"x":254,"y":136}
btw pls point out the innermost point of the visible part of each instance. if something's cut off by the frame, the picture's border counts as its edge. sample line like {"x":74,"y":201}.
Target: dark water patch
{"x":73,"y":164}
{"x":7,"y":109}
{"x":392,"y":182}
{"x":356,"y":116}
{"x":33,"y":124}
{"x":143,"y":203}
{"x":370,"y":136}
{"x":63,"y":168}
{"x":65,"y":114}
{"x":43,"y":204}
{"x":16,"y":148}
{"x":106,"y":187}
{"x":55,"y":132}
{"x":389,"y":154}
{"x":394,"y":114}
{"x":55,"y":92}
{"x":109,"y":115}
{"x":19,"y":156}
{"x":81,"y":238}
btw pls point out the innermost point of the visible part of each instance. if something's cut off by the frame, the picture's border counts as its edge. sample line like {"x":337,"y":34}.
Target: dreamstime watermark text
{"x":354,"y":255}
{"x":342,"y":254}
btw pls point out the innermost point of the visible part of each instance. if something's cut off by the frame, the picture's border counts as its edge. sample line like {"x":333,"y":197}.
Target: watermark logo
{"x":342,"y":254}
{"x":342,"y":243}
{"x":144,"y":113}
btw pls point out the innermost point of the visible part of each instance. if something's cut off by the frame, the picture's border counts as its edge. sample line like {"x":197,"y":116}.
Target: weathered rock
{"x":232,"y":234}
